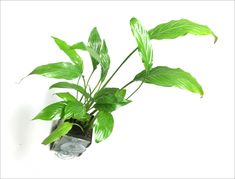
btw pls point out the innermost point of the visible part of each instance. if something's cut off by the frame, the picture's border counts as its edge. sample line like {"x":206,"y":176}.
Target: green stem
{"x":95,"y":87}
{"x":124,"y":61}
{"x":136,"y":90}
{"x":86,"y":84}
{"x":77,"y":84}
{"x":127,"y":84}
{"x":90,"y":99}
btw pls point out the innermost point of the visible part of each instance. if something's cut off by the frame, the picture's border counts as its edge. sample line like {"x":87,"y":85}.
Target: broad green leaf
{"x":75,"y":110}
{"x":79,"y":45}
{"x":93,"y":53}
{"x":106,"y":107}
{"x":103,"y":126}
{"x":60,"y":70}
{"x":168,"y":77}
{"x":104,"y":61}
{"x":52,"y":111}
{"x":66,"y":96}
{"x":60,"y":131}
{"x":95,"y":43}
{"x":74,"y":57}
{"x":109,"y":99}
{"x":98,"y":52}
{"x":144,"y":44}
{"x":108,"y":95}
{"x":177,"y":28}
{"x":70,"y":86}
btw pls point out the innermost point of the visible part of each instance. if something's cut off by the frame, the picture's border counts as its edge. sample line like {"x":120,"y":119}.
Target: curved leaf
{"x":103,"y":126}
{"x":74,"y":57}
{"x":98,"y":52}
{"x":60,"y":131}
{"x":110,"y":99}
{"x":168,"y":77}
{"x":52,"y":111}
{"x":144,"y":44}
{"x":75,"y":110}
{"x":70,"y":86}
{"x":66,"y":96}
{"x":104,"y":61}
{"x":95,"y":43}
{"x":79,"y":45}
{"x":60,"y":70}
{"x":106,"y":107}
{"x":177,"y":28}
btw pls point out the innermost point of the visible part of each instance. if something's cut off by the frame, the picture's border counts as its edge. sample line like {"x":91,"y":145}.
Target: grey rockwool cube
{"x":73,"y":144}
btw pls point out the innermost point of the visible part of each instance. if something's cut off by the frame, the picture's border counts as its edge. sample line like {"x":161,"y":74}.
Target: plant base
{"x":73,"y":144}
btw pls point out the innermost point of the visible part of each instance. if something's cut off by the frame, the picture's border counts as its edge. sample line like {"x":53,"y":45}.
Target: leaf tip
{"x":133,"y":20}
{"x":202,"y":93}
{"x":44,"y":142}
{"x":97,"y":141}
{"x":215,"y":38}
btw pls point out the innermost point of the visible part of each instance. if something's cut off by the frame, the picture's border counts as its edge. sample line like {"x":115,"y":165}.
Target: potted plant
{"x":90,"y":111}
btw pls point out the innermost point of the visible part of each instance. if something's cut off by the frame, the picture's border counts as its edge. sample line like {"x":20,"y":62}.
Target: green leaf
{"x":98,"y":52}
{"x":53,"y":111}
{"x":106,"y":107}
{"x":79,"y":45}
{"x":60,"y":131}
{"x":168,"y":77}
{"x":66,"y":96}
{"x":177,"y":28}
{"x":60,"y":70}
{"x":72,"y":54}
{"x":104,"y":61}
{"x":70,"y":86}
{"x":110,"y":99}
{"x":144,"y":44}
{"x":103,"y":126}
{"x":75,"y":110}
{"x":95,"y":43}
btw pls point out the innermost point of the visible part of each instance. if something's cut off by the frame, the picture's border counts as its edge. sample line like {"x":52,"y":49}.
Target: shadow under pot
{"x":73,"y":144}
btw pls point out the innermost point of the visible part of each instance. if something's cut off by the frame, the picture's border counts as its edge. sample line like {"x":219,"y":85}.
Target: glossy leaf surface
{"x":60,"y":70}
{"x":60,"y":131}
{"x":70,"y":86}
{"x":71,"y":53}
{"x":66,"y":96}
{"x":79,"y":45}
{"x":52,"y":111}
{"x":144,"y":44}
{"x":103,"y":126}
{"x":168,"y":77}
{"x":177,"y":28}
{"x":75,"y":110}
{"x":104,"y":61}
{"x":109,"y":99}
{"x":95,"y":43}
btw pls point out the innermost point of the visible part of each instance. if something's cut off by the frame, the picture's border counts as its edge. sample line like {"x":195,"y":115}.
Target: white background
{"x":165,"y":132}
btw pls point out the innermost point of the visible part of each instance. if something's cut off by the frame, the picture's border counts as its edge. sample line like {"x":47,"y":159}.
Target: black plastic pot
{"x":73,"y":144}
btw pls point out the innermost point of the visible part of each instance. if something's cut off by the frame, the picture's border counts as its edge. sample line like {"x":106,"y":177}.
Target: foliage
{"x":93,"y":107}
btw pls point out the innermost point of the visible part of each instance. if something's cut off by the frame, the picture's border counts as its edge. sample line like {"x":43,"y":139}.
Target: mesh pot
{"x":73,"y":144}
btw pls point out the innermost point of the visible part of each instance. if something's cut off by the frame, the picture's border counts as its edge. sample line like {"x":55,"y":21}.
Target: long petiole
{"x":95,"y":87}
{"x":77,"y":84}
{"x":127,"y":84}
{"x":138,"y":87}
{"x":124,"y":61}
{"x":136,"y":90}
{"x":84,"y":83}
{"x":87,"y":83}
